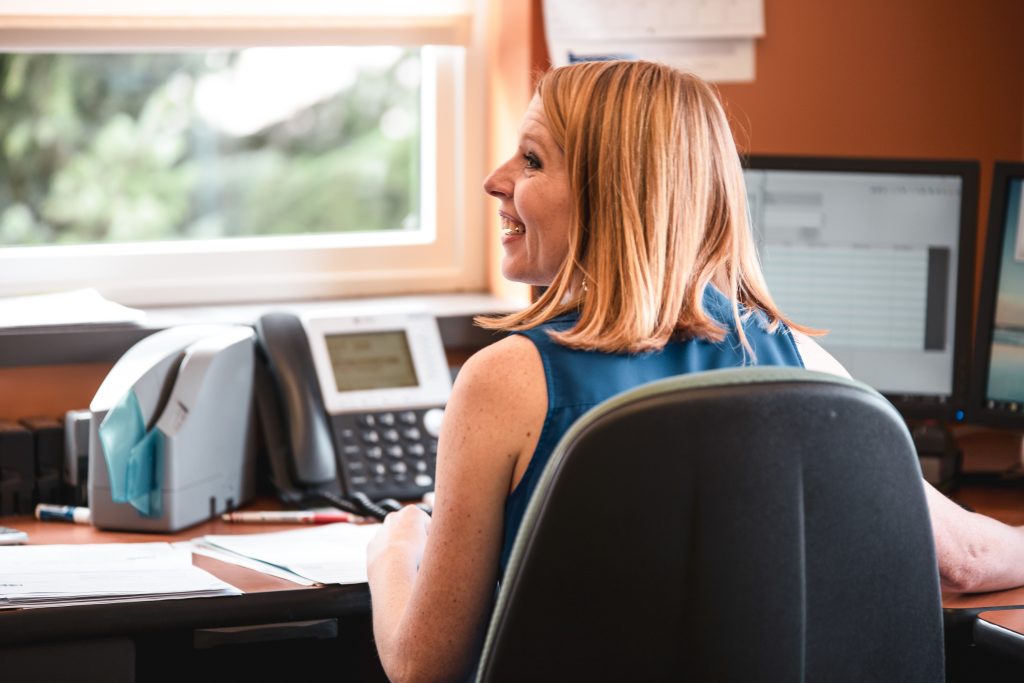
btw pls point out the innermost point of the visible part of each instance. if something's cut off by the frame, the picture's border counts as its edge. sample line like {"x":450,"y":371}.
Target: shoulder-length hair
{"x":659,"y":213}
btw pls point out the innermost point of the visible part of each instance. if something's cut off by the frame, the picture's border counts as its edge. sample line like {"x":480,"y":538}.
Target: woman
{"x":626,"y":200}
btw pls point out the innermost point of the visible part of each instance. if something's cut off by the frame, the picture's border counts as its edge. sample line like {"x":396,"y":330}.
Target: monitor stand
{"x":1016,"y":471}
{"x":995,"y":458}
{"x":940,"y":457}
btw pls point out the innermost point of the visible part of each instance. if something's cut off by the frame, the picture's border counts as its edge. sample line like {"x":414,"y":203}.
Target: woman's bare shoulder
{"x":501,"y":389}
{"x":512,"y":360}
{"x":815,"y":357}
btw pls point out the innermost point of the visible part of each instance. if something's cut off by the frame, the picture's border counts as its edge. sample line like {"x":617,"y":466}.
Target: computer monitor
{"x":997,"y":377}
{"x":880,"y":253}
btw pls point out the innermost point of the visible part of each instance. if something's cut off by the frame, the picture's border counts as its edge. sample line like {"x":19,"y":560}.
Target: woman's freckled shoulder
{"x":507,"y":370}
{"x":509,"y":359}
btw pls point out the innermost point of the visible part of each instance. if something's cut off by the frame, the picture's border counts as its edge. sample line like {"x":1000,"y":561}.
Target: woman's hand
{"x":399,"y":542}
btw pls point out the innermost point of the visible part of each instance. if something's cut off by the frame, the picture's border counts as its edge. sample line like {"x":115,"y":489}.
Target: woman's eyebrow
{"x":529,"y":137}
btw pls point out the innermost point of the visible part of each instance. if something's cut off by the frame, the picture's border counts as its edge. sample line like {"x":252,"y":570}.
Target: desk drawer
{"x":104,"y":660}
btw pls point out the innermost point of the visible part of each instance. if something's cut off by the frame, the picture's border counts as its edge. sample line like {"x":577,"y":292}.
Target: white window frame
{"x":447,"y":254}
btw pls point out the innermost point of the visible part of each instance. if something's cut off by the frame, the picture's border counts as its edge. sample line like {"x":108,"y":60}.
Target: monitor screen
{"x":879,"y":253}
{"x":997,"y":389}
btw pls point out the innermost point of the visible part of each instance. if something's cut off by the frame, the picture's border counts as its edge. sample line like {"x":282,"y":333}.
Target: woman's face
{"x":533,"y":187}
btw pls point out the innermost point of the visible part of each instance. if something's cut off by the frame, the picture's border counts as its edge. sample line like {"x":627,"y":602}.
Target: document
{"x":326,"y":553}
{"x":198,"y":547}
{"x":82,"y":574}
{"x":711,"y":38}
{"x":78,"y":307}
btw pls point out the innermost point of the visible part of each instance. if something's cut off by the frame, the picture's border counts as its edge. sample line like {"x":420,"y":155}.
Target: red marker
{"x":290,"y":517}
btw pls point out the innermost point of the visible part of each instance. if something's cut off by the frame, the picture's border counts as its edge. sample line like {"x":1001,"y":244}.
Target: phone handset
{"x":298,"y":438}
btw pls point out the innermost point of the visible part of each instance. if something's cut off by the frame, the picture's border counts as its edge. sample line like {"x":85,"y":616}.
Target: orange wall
{"x":48,"y":391}
{"x":914,"y":78}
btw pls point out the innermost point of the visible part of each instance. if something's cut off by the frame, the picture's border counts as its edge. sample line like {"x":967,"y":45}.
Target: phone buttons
{"x":432,"y":421}
{"x":389,"y":452}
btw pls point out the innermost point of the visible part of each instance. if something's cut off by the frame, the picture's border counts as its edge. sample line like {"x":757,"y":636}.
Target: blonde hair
{"x":660,"y":211}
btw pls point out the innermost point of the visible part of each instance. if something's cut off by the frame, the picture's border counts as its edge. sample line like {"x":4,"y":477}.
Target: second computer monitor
{"x":997,"y":396}
{"x":880,"y":253}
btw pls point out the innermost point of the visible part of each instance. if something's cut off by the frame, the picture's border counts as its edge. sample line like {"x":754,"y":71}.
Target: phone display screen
{"x":371,"y":360}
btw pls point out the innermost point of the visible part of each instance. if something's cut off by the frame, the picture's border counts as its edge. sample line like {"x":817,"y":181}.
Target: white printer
{"x":172,"y":432}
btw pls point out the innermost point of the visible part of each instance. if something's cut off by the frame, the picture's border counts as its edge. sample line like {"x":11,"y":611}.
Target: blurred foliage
{"x":112,"y":148}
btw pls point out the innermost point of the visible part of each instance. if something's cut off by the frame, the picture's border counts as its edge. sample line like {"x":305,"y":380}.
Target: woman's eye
{"x":531,"y":161}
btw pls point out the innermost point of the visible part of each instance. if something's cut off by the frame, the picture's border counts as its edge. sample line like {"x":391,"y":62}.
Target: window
{"x":115,"y":148}
{"x":197,"y":158}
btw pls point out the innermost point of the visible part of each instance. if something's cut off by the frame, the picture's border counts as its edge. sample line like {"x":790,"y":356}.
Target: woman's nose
{"x":497,"y":183}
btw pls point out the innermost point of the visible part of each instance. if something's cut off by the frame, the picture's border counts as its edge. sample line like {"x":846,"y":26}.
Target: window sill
{"x":105,"y":342}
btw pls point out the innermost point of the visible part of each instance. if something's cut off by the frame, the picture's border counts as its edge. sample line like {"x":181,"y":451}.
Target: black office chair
{"x":758,"y":524}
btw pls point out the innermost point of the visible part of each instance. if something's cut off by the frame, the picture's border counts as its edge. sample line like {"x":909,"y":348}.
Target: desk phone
{"x":351,"y":405}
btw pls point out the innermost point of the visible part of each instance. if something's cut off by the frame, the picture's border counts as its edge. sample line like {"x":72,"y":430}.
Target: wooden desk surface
{"x":266,"y":598}
{"x":1005,"y":503}
{"x":1010,"y":619}
{"x":246,"y":580}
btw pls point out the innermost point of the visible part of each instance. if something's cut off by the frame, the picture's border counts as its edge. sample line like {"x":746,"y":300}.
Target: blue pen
{"x":64,"y":513}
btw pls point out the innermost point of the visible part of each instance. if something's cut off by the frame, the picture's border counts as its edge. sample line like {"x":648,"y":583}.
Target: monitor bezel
{"x":912,"y":406}
{"x":978,"y":412}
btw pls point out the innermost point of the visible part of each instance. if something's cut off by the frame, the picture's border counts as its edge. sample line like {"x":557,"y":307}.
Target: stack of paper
{"x":81,"y":574}
{"x":328,"y":553}
{"x":78,"y":307}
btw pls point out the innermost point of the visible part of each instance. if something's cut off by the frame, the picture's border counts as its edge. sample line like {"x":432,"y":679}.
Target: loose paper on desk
{"x":329,"y":553}
{"x":80,"y":574}
{"x":199,"y":547}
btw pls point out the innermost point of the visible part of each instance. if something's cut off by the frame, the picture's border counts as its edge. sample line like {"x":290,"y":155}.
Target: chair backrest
{"x":740,"y":525}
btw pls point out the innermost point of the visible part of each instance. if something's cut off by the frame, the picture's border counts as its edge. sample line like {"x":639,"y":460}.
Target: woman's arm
{"x":975,"y":553}
{"x":432,"y":581}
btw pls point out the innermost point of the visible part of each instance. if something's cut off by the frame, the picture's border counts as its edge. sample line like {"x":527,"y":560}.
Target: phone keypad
{"x":388,"y":454}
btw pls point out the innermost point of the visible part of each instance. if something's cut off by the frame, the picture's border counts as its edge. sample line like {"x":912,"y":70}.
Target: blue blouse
{"x":579,"y":380}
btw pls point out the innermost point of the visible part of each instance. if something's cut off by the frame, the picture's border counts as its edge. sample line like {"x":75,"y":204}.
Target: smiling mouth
{"x":511,"y":227}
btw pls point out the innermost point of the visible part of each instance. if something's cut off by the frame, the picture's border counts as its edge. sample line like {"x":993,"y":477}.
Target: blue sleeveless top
{"x":579,"y":380}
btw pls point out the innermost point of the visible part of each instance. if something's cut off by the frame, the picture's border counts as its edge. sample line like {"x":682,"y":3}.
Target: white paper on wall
{"x":712,"y":38}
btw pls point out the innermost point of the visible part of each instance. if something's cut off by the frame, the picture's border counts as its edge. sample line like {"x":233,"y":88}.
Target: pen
{"x":65,"y":513}
{"x":291,"y":517}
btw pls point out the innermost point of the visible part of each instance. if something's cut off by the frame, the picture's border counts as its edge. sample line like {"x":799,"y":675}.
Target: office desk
{"x":278,"y":629}
{"x":985,"y":631}
{"x":275,"y":631}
